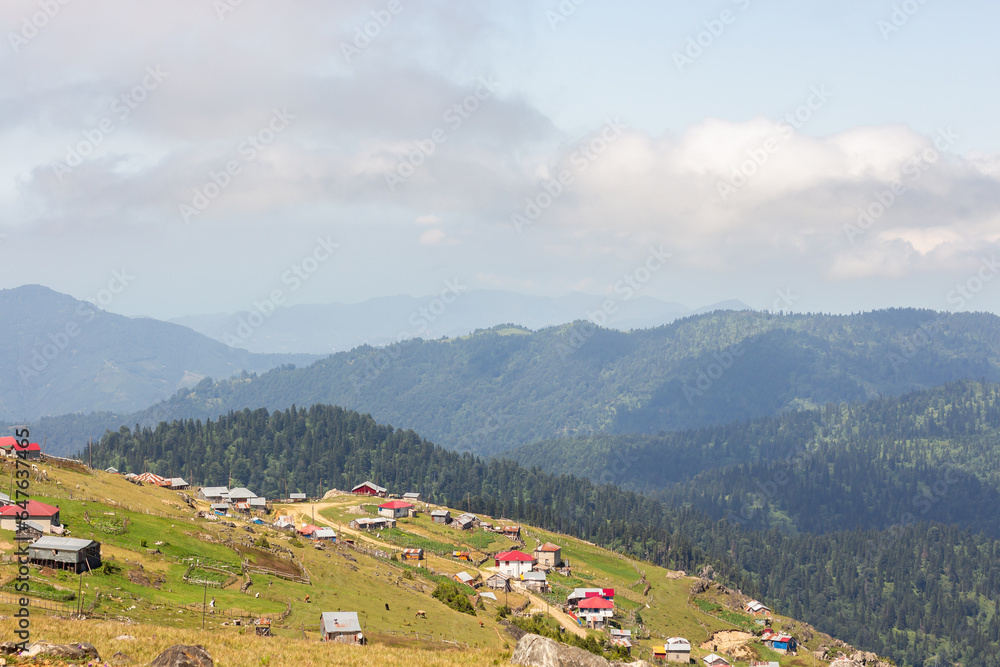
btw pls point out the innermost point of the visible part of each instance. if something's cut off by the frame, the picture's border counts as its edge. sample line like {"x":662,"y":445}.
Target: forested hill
{"x":914,"y":592}
{"x":501,"y":388}
{"x":933,"y":454}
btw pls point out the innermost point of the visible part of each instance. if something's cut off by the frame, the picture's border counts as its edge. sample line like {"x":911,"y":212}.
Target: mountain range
{"x":456,"y":311}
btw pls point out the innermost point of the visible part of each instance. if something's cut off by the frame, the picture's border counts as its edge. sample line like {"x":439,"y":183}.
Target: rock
{"x":8,"y":648}
{"x":124,"y":638}
{"x":538,"y":651}
{"x":844,"y":662}
{"x":138,"y":577}
{"x":637,"y":663}
{"x":700,"y":586}
{"x":707,"y":572}
{"x":80,"y":651}
{"x":180,"y":655}
{"x":120,"y":658}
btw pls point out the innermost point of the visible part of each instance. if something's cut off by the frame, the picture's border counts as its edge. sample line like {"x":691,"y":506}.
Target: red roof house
{"x":46,"y":516}
{"x":514,"y":563}
{"x":10,"y":448}
{"x":369,"y":489}
{"x":394,"y":509}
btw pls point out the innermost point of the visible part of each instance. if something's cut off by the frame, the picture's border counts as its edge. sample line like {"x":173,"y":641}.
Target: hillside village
{"x":366,"y":569}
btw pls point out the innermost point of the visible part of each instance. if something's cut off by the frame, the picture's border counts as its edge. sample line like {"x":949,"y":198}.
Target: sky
{"x":176,"y":157}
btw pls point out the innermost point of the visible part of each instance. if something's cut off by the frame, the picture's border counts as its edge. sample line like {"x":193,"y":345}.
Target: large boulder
{"x":180,"y":655}
{"x":77,"y":651}
{"x":538,"y":651}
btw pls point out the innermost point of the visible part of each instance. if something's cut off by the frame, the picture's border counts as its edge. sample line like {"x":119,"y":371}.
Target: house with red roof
{"x":10,"y":449}
{"x":44,"y":515}
{"x":369,"y":489}
{"x":514,"y":563}
{"x":595,"y":612}
{"x":395,"y":509}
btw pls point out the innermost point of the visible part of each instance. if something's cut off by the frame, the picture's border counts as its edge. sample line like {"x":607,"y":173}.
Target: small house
{"x":441,"y":516}
{"x":284,"y":523}
{"x":155,"y":480}
{"x":412,"y":555}
{"x":340,"y":626}
{"x":220,"y":508}
{"x":42,"y":514}
{"x":489,"y":596}
{"x":241,"y":495}
{"x":369,"y":489}
{"x":513,"y":532}
{"x":595,"y":612}
{"x":258,"y":503}
{"x":307,"y":530}
{"x":10,"y":448}
{"x":778,"y":642}
{"x":65,"y":553}
{"x":580,"y":594}
{"x":327,"y":534}
{"x":297,"y":497}
{"x":5,"y":499}
{"x":713,"y":660}
{"x":30,"y":531}
{"x":395,"y":509}
{"x":465,"y":522}
{"x":498,"y":581}
{"x":466,"y":578}
{"x":549,"y":555}
{"x":177,"y":484}
{"x":535,"y":581}
{"x":621,"y":639}
{"x":411,"y":497}
{"x":755,"y":608}
{"x":677,"y":649}
{"x":111,"y":470}
{"x":461,"y":555}
{"x":213,"y":494}
{"x":377,"y":523}
{"x":514,"y":563}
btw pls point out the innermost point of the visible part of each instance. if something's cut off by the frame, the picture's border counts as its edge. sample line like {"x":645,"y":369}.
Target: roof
{"x":596,"y":603}
{"x":754,"y":605}
{"x":488,"y":595}
{"x":34,"y":508}
{"x":9,"y":443}
{"x":220,"y":506}
{"x":618,"y":632}
{"x":34,"y":525}
{"x":340,"y":621}
{"x":324,"y":532}
{"x":214,"y":491}
{"x":585,"y":592}
{"x":178,"y":481}
{"x":242,"y":492}
{"x":678,"y":642}
{"x":112,"y":470}
{"x":411,"y":496}
{"x":395,"y":505}
{"x":533,"y":576}
{"x":257,"y":502}
{"x":712,"y":657}
{"x":297,"y":496}
{"x":61,"y":543}
{"x":373,"y":485}
{"x":505,"y":577}
{"x":440,"y":513}
{"x":150,"y":478}
{"x":418,"y":552}
{"x":548,"y":546}
{"x":465,"y":576}
{"x":515,"y":555}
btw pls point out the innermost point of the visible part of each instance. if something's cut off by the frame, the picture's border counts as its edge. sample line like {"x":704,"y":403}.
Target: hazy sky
{"x":214,"y":152}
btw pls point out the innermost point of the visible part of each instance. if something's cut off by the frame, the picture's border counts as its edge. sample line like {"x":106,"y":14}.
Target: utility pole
{"x":204,"y":603}
{"x":90,"y":451}
{"x":79,"y":594}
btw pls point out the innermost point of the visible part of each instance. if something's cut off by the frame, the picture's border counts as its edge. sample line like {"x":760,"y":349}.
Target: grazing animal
{"x":421,"y":613}
{"x":387,"y":606}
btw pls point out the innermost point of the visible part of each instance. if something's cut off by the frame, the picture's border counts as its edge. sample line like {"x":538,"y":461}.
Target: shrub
{"x":295,"y":543}
{"x":450,"y":594}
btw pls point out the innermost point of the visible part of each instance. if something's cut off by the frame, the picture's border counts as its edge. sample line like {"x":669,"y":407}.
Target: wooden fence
{"x":250,"y":568}
{"x":39,"y":604}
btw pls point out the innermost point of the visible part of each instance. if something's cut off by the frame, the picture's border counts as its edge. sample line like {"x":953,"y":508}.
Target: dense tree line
{"x":930,"y":455}
{"x":912,"y":592}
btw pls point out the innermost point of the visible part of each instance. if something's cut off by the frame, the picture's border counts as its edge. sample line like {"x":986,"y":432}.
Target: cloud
{"x":436,"y":237}
{"x":428,"y":220}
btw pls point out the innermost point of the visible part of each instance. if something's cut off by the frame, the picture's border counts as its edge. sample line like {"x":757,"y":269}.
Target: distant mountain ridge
{"x":60,"y":355}
{"x":337,"y":327}
{"x":498,"y":389}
